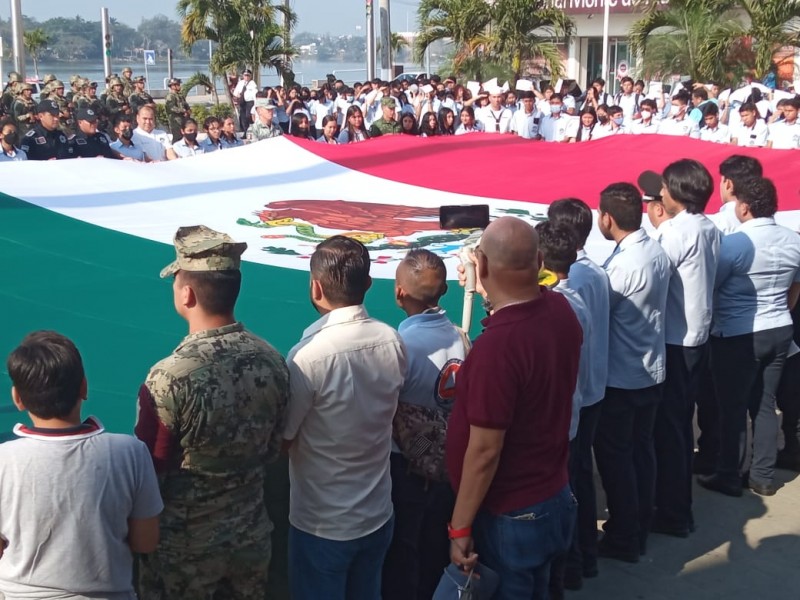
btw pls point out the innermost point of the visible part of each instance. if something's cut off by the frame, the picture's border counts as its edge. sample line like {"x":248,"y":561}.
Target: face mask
{"x":190,"y":137}
{"x":674,"y":110}
{"x":603,"y":119}
{"x":11,"y":138}
{"x":619,"y":120}
{"x":555,"y":109}
{"x":646,"y":114}
{"x":350,"y":98}
{"x":127,"y":134}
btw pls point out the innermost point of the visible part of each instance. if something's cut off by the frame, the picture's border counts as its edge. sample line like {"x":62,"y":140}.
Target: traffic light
{"x":108,"y":44}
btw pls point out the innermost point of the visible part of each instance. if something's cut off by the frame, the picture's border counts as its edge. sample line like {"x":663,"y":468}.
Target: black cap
{"x":48,"y":106}
{"x":86,"y":114}
{"x":651,"y":183}
{"x":247,"y":72}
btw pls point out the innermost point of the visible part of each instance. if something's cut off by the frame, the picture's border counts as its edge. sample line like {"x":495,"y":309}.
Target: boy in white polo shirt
{"x":77,"y":502}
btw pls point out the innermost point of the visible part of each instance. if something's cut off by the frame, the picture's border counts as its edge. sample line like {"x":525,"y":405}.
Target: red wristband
{"x":455,"y":534}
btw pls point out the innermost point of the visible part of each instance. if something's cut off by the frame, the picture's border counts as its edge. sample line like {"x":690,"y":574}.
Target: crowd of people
{"x":413,"y":449}
{"x":78,"y":123}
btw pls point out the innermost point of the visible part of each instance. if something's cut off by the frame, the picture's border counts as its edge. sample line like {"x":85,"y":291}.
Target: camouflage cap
{"x":25,"y":86}
{"x":114,"y":81}
{"x":139,"y":79}
{"x":48,"y":78}
{"x":73,"y":79}
{"x":55,"y":84}
{"x":14,"y":76}
{"x":199,"y":248}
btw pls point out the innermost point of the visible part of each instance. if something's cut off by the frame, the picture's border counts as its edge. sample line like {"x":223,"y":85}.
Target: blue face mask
{"x":619,"y":120}
{"x":555,"y":108}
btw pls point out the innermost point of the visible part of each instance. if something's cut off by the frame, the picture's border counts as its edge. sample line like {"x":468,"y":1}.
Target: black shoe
{"x":664,"y":529}
{"x":590,"y":571}
{"x":608,"y":551}
{"x":573,"y":580}
{"x":703,"y":466}
{"x":715,"y":484}
{"x":763,"y":489}
{"x":789,"y":460}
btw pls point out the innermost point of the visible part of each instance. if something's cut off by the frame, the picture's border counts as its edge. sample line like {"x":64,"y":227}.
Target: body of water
{"x":305,"y":71}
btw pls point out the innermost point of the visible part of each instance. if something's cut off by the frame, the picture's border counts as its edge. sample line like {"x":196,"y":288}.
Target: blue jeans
{"x":519,"y":545}
{"x":336,"y":570}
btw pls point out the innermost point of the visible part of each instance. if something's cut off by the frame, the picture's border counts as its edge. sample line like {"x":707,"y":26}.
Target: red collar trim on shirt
{"x":90,"y":427}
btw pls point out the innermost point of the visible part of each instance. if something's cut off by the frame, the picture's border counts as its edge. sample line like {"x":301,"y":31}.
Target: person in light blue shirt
{"x":558,"y":244}
{"x":757,"y":284}
{"x":435,"y":350}
{"x":638,"y":275}
{"x":213,"y":140}
{"x":9,"y":139}
{"x":691,"y":241}
{"x":590,"y":282}
{"x":123,"y":129}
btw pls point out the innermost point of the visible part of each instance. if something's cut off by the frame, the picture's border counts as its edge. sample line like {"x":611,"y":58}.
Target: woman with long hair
{"x":329,"y":126}
{"x":408,"y":124}
{"x":428,"y":125}
{"x":588,"y":119}
{"x":300,"y":127}
{"x":468,"y":122}
{"x":447,"y":121}
{"x":354,"y":129}
{"x":227,"y":136}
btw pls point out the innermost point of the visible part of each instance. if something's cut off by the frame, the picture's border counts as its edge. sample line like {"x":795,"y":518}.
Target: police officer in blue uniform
{"x":88,"y":141}
{"x":45,"y":141}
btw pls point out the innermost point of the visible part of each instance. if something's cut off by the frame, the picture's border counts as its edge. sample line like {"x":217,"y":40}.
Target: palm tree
{"x":773,"y":23}
{"x":526,"y":29}
{"x":35,"y":41}
{"x":463,"y":22}
{"x":693,"y":37}
{"x":203,"y":80}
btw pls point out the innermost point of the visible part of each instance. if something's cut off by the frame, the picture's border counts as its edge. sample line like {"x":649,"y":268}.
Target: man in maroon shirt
{"x":508,"y":434}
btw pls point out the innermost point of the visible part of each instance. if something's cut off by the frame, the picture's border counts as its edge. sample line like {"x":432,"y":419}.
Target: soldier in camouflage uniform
{"x":75,"y":89}
{"x":24,"y":109}
{"x":139,"y":97}
{"x":47,"y":87}
{"x":65,"y":116}
{"x":116,"y":102}
{"x":127,"y":82}
{"x":177,"y":109}
{"x":10,"y":93}
{"x":263,"y":128}
{"x":212,"y":416}
{"x":387,"y":124}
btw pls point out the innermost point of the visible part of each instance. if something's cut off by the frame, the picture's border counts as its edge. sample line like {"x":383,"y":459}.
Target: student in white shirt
{"x":752,"y":131}
{"x":554,"y":126}
{"x":617,"y":121}
{"x":714,"y":131}
{"x":468,"y":122}
{"x":245,"y":94}
{"x":346,"y":375}
{"x":648,"y":124}
{"x":679,"y":123}
{"x":604,"y":127}
{"x":628,"y":100}
{"x":525,"y":122}
{"x":582,"y":129}
{"x":785,"y":135}
{"x":638,"y":272}
{"x":495,"y":117}
{"x":691,"y":242}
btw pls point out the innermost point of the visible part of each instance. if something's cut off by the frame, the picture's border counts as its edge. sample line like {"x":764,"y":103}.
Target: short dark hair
{"x":626,"y":80}
{"x":649,"y":102}
{"x":421,"y":259}
{"x":574,"y":213}
{"x":760,"y":195}
{"x":121,"y":118}
{"x":700,"y":93}
{"x":683,"y":97}
{"x":738,"y":167}
{"x":689,"y":183}
{"x":615,"y":110}
{"x":8,"y":121}
{"x":188,"y":121}
{"x":599,"y":81}
{"x":556,"y":96}
{"x":558,"y":244}
{"x":341,"y":265}
{"x":215,"y":291}
{"x":47,"y":372}
{"x":210,"y":121}
{"x":710,"y":109}
{"x":623,"y":201}
{"x":749,"y":107}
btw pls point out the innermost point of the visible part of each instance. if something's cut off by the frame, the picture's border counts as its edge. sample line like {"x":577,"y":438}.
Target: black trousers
{"x":674,"y":436}
{"x":244,"y":115}
{"x":626,"y":461}
{"x":789,"y":402}
{"x":747,"y":370}
{"x":707,"y":419}
{"x":420,"y":548}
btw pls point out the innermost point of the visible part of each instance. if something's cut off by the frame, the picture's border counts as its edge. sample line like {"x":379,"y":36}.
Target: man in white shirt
{"x":154,"y":142}
{"x":245,"y":94}
{"x":590,"y":281}
{"x":555,"y":126}
{"x":679,"y":123}
{"x":346,"y":374}
{"x":628,"y":100}
{"x":757,"y":284}
{"x":752,"y":132}
{"x":495,"y":117}
{"x":785,"y":135}
{"x":638,"y":273}
{"x":714,"y":131}
{"x":691,"y":241}
{"x":525,"y":122}
{"x":733,"y":170}
{"x":648,"y":123}
{"x":421,"y":493}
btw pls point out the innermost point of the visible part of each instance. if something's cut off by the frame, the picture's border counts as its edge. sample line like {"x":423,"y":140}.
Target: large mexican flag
{"x":82,"y":241}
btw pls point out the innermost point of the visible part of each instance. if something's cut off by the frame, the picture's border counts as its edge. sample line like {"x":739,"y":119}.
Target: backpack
{"x":420,"y":433}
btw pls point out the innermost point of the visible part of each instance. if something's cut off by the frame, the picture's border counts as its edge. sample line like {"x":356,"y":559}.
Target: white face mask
{"x":675,"y":110}
{"x":646,"y":114}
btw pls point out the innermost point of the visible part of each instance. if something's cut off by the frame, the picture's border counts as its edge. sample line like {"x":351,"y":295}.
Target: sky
{"x":337,"y":17}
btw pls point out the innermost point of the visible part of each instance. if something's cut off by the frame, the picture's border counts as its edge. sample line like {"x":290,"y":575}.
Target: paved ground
{"x":744,"y":548}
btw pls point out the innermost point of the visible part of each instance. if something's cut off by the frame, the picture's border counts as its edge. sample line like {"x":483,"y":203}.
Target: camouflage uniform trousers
{"x":228,"y":573}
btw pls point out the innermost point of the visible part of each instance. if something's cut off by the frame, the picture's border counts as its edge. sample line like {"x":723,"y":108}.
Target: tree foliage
{"x":35,"y":42}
